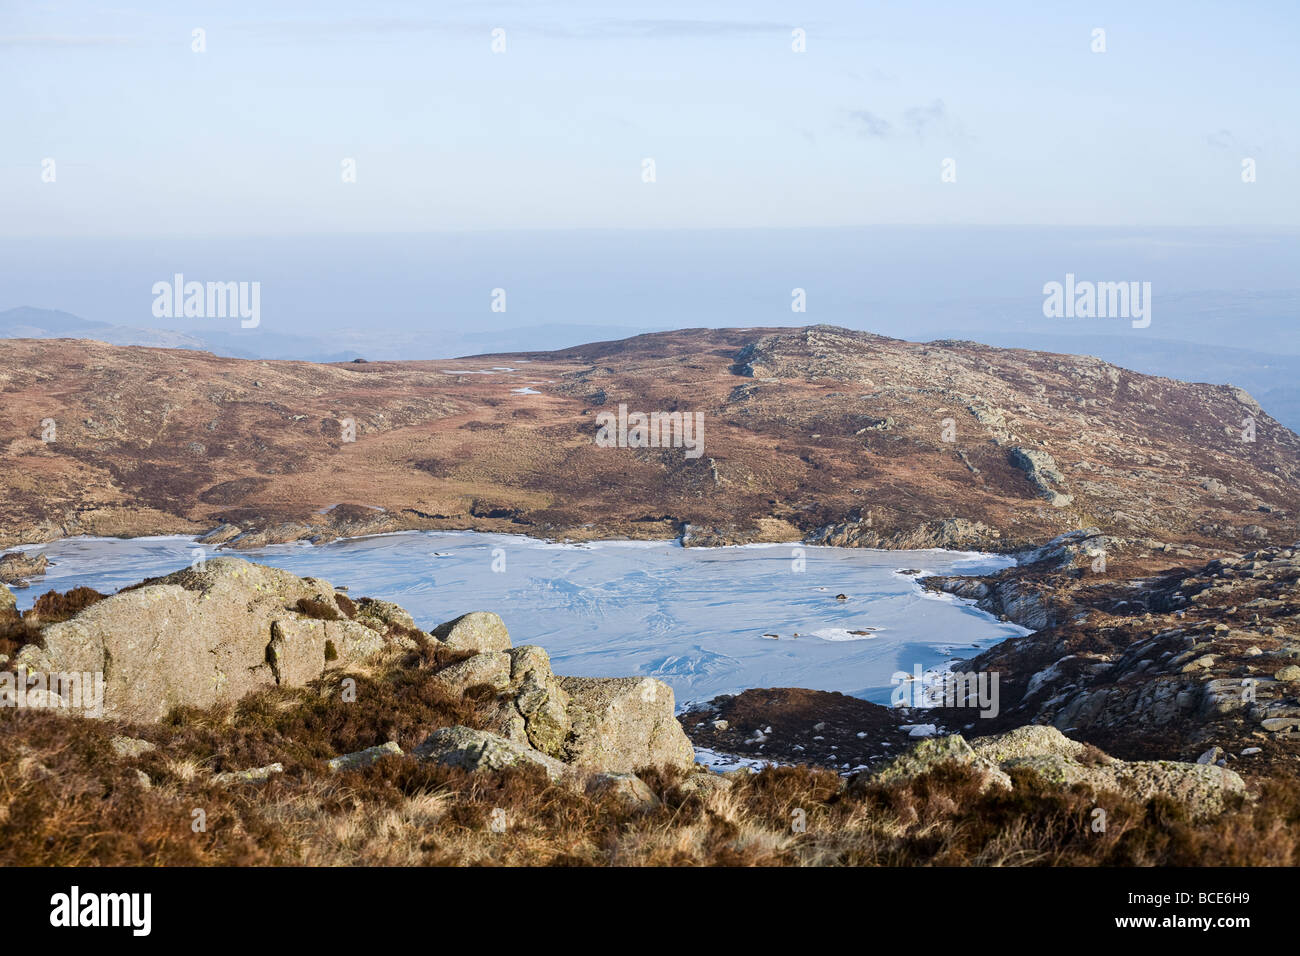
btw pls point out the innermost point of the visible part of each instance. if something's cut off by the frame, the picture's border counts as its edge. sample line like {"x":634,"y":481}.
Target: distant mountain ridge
{"x":26,"y":322}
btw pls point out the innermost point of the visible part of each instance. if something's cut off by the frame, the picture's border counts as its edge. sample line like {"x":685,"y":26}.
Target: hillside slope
{"x":815,"y":434}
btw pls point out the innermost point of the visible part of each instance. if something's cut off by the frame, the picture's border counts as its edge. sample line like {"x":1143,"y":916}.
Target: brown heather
{"x":65,"y":799}
{"x":318,"y":609}
{"x":346,"y":605}
{"x":19,"y":628}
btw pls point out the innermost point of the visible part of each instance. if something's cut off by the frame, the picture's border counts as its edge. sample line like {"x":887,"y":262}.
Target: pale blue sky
{"x":153,"y":140}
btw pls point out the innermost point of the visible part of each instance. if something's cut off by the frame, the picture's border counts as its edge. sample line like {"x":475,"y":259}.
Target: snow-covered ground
{"x":694,"y":617}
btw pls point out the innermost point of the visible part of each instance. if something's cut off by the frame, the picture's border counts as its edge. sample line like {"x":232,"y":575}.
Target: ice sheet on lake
{"x":694,"y":617}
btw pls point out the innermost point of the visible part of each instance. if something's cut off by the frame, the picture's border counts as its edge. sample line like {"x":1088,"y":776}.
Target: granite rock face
{"x":201,"y":636}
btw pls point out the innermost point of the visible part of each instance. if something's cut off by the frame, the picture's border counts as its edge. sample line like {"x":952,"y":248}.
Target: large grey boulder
{"x":472,"y":750}
{"x":620,"y":724}
{"x":491,"y":669}
{"x":200,"y":637}
{"x":476,"y":631}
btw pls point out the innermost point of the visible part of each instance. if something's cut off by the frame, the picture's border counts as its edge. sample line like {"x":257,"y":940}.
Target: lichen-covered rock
{"x":474,"y":750}
{"x":627,"y":788}
{"x":933,"y":752}
{"x":199,"y":637}
{"x":1031,"y":740}
{"x":477,"y":631}
{"x":364,"y":758}
{"x":7,"y":601}
{"x":1205,"y":789}
{"x":128,"y":747}
{"x":255,"y":775}
{"x":620,"y":724}
{"x":381,"y":614}
{"x":540,"y":699}
{"x":491,"y":668}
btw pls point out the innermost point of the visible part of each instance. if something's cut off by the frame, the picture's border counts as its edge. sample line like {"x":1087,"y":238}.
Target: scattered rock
{"x":1211,"y":756}
{"x":706,"y":783}
{"x":256,"y":775}
{"x":127,"y":747}
{"x":475,"y":750}
{"x":626,"y":788}
{"x":364,"y":758}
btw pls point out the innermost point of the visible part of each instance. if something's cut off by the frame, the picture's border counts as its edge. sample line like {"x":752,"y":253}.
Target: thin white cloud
{"x":64,"y":40}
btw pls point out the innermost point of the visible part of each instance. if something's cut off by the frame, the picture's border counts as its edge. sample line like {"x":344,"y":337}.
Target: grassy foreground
{"x":67,"y":799}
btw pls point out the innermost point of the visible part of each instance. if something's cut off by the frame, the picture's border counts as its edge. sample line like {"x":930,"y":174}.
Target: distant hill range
{"x":1273,"y":379}
{"x":819,"y":434}
{"x":373,"y":342}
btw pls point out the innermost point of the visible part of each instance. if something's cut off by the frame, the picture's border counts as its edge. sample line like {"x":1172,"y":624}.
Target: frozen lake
{"x":694,"y":617}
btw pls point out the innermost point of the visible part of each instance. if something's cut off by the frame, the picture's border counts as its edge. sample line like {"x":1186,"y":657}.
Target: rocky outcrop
{"x":16,"y":567}
{"x":947,"y":533}
{"x":623,"y":723}
{"x":202,"y":636}
{"x":1205,"y":789}
{"x":1041,"y":470}
{"x":1170,"y":663}
{"x":208,"y":635}
{"x":1027,"y":594}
